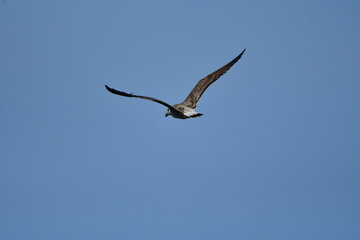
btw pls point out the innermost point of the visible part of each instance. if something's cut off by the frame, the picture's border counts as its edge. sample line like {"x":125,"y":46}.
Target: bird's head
{"x":168,"y":113}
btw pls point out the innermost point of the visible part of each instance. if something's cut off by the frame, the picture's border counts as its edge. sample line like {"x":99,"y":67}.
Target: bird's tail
{"x":196,"y":115}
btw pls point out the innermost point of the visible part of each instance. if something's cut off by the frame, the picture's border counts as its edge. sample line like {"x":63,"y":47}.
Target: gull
{"x":187,"y":108}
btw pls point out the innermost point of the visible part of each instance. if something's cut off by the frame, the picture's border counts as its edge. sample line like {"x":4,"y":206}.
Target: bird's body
{"x":186,"y":112}
{"x":187,"y":108}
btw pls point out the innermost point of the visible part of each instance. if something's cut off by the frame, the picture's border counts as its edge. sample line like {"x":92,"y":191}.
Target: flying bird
{"x":187,"y":108}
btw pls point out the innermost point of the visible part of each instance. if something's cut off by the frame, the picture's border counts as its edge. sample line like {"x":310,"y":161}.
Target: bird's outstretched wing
{"x":124,"y":94}
{"x":195,"y":95}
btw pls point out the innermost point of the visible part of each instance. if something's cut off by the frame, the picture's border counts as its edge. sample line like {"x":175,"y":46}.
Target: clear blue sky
{"x":276,"y":154}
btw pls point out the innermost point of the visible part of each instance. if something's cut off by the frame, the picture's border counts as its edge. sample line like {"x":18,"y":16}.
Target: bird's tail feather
{"x":196,"y":115}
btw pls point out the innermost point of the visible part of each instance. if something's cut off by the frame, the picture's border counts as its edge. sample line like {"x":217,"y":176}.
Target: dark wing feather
{"x":195,"y":95}
{"x":124,"y":94}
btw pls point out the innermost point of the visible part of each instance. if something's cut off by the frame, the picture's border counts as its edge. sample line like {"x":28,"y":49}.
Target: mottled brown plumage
{"x":195,"y":95}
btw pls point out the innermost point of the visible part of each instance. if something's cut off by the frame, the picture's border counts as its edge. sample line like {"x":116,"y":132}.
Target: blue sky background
{"x":276,"y":154}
